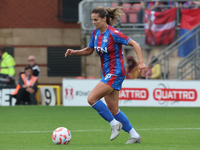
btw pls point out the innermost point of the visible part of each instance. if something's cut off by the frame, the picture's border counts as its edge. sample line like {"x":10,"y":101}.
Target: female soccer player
{"x":107,"y":41}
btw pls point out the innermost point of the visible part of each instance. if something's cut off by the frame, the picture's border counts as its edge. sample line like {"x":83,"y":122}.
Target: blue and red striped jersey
{"x":109,"y":47}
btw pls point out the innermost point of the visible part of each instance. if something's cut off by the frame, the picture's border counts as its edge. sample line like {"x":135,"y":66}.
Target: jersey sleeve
{"x":91,"y":44}
{"x":120,"y":38}
{"x":11,"y":66}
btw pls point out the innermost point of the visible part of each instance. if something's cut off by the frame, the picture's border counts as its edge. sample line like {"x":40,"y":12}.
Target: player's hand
{"x":69,"y":52}
{"x":142,"y":69}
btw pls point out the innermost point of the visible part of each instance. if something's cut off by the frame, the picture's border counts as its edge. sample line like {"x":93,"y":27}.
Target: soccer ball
{"x":61,"y":136}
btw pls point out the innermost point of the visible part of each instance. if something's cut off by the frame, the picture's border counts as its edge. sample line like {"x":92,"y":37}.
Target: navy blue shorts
{"x":113,"y":81}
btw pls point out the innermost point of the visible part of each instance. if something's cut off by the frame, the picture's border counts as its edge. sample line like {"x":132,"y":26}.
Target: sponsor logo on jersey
{"x":133,"y":94}
{"x":160,"y":94}
{"x":100,"y":49}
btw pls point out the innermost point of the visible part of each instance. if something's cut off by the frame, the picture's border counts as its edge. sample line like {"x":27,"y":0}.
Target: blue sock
{"x":121,"y":117}
{"x":103,"y":110}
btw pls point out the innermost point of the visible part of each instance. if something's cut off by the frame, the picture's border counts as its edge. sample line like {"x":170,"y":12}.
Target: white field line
{"x":101,"y":130}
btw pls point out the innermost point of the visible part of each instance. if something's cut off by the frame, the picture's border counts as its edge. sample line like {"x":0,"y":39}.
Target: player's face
{"x":98,"y":21}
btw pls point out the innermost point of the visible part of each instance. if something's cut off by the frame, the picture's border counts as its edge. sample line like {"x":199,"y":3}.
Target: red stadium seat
{"x":123,"y":18}
{"x":133,"y":18}
{"x":126,"y":7}
{"x":90,"y":77}
{"x":133,"y":13}
{"x":79,"y":77}
{"x":135,"y":8}
{"x":114,"y":5}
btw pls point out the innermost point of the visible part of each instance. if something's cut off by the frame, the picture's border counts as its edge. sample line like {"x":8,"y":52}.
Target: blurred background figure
{"x":155,"y":69}
{"x":7,"y":68}
{"x":26,"y":88}
{"x":132,"y":69}
{"x":34,"y":66}
{"x":32,"y":63}
{"x":191,"y":5}
{"x":154,"y":6}
{"x":149,"y":71}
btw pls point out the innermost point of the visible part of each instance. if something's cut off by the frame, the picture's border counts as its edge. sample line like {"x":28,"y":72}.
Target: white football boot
{"x":115,"y":131}
{"x":134,"y":140}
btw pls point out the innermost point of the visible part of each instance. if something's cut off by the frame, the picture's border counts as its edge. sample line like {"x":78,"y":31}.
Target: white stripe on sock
{"x":114,"y":122}
{"x":94,"y":103}
{"x":133,"y":133}
{"x":117,"y":113}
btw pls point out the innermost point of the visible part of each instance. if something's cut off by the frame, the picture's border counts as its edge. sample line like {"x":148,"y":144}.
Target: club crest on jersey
{"x":116,"y":31}
{"x":100,"y":49}
{"x":105,"y":39}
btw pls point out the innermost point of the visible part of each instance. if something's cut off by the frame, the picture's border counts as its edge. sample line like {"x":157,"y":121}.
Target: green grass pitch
{"x":31,"y":127}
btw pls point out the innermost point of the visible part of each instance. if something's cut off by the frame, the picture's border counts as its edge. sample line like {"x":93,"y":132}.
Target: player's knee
{"x":90,"y":100}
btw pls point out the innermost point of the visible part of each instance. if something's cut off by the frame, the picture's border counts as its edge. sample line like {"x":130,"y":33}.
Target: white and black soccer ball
{"x":61,"y":136}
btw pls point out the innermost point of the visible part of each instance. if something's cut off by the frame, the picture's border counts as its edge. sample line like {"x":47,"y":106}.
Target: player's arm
{"x":142,"y":67}
{"x":85,"y":51}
